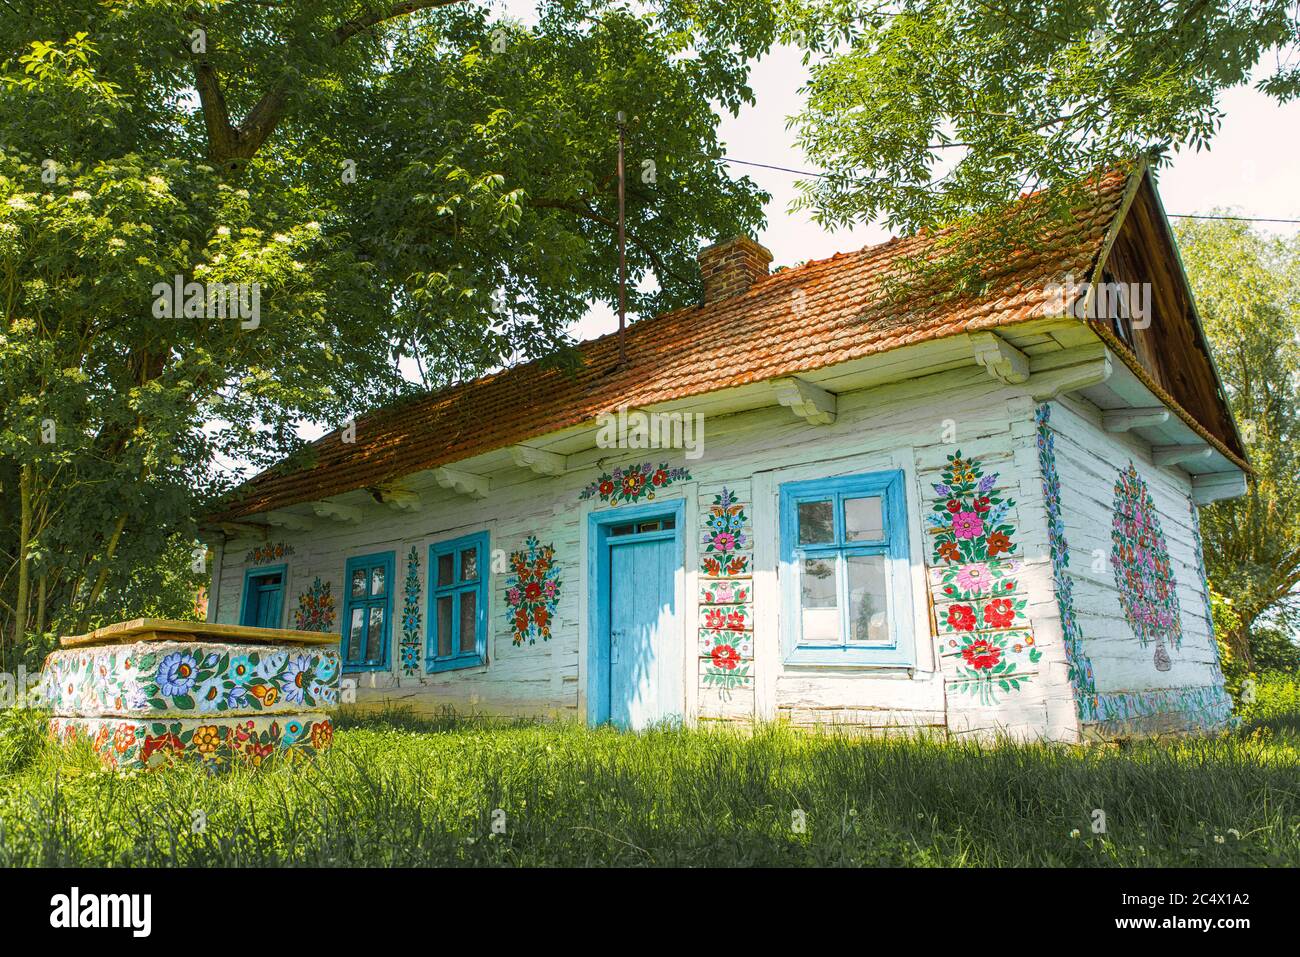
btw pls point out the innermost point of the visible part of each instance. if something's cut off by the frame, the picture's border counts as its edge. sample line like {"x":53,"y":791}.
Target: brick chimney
{"x":730,"y":267}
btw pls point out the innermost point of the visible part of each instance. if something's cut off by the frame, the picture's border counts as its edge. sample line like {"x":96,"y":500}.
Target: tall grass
{"x":397,"y":790}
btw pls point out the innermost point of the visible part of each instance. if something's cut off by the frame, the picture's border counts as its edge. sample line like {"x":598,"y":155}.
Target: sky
{"x":1252,"y":169}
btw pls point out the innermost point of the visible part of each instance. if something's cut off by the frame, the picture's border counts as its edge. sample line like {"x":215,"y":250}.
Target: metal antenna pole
{"x":622,"y":250}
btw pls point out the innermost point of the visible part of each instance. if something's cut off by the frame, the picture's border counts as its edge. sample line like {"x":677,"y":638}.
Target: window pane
{"x":444,"y":626}
{"x":375,"y":639}
{"x":469,"y":565}
{"x":468,"y":607}
{"x":377,"y":581}
{"x":816,"y":522}
{"x":863,"y":520}
{"x":446,"y":569}
{"x":868,"y":604}
{"x":819,"y":609}
{"x":359,"y":583}
{"x":622,"y":530}
{"x":648,"y":527}
{"x":356,"y":628}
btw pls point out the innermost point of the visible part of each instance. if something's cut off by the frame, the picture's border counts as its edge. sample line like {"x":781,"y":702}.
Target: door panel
{"x":264,"y":601}
{"x":644,"y":653}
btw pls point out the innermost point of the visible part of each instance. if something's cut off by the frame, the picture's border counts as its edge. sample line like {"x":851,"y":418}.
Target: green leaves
{"x":940,"y":109}
{"x":426,"y":194}
{"x":1247,"y":289}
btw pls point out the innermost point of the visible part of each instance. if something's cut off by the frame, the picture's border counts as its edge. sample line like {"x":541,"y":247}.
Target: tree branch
{"x":584,"y":211}
{"x":227,"y":143}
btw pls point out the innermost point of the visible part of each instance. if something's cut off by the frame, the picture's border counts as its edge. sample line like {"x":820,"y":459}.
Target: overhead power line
{"x":805,"y":172}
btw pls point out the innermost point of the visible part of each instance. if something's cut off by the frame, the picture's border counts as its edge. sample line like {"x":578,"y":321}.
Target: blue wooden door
{"x":264,"y":601}
{"x":645,"y":660}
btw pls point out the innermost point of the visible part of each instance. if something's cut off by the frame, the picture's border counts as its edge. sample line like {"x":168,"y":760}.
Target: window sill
{"x":363,"y":669}
{"x":454,"y":664}
{"x":876,"y":659}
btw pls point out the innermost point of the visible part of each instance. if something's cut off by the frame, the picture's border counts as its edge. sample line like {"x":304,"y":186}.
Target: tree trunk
{"x":24,"y":566}
{"x":102,"y":578}
{"x":41,"y":592}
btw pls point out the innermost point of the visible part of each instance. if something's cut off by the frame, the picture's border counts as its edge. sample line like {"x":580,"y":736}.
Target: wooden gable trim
{"x":1148,"y":380}
{"x":1164,"y":355}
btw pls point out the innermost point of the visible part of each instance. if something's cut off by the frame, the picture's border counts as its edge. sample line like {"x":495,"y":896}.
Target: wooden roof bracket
{"x":1000,"y":359}
{"x":462,"y":483}
{"x":1068,"y":370}
{"x":814,"y":405}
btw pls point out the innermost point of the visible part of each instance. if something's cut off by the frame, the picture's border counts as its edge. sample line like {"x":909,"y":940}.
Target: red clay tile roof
{"x":749,"y":338}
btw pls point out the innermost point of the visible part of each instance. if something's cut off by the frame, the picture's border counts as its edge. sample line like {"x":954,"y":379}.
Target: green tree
{"x":415,"y":180}
{"x":925,"y":111}
{"x":1247,"y":290}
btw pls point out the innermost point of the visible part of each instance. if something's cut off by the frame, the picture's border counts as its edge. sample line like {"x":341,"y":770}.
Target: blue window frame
{"x":368,"y":611}
{"x":457,"y":629}
{"x":845,"y":581}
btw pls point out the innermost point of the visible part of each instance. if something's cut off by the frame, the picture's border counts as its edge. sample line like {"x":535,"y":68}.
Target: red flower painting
{"x":999,"y":613}
{"x":726,"y":657}
{"x":533,"y":592}
{"x":981,"y":654}
{"x":961,"y":617}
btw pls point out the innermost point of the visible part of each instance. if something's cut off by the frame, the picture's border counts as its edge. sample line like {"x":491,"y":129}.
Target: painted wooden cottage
{"x":801,"y":500}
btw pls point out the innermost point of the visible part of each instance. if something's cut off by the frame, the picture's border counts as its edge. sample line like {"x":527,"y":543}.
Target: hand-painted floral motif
{"x":315,"y":610}
{"x":532,"y":592}
{"x":973,"y":545}
{"x":146,"y":744}
{"x":633,"y":483}
{"x":725,"y":592}
{"x":1140,"y":560}
{"x":726,"y":670}
{"x":409,"y":646}
{"x":726,"y":606}
{"x":166,"y":678}
{"x":269,"y":552}
{"x":1205,"y":708}
{"x":1078,"y":666}
{"x":725,"y":541}
{"x":1199,"y":547}
{"x":726,"y":618}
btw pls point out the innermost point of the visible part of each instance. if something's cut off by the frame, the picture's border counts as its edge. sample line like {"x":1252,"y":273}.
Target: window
{"x":845,"y":581}
{"x":263,"y":597}
{"x":458,"y":603}
{"x":368,"y":612}
{"x":1117,"y":310}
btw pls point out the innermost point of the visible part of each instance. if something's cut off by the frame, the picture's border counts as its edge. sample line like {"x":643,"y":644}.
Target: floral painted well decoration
{"x":139,"y":744}
{"x":150,"y":701}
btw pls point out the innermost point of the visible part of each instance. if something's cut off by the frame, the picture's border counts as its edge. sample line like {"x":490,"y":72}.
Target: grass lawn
{"x":401,"y":791}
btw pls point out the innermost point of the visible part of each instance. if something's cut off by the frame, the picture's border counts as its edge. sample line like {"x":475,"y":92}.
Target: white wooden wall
{"x":903,"y":425}
{"x":1088,"y":461}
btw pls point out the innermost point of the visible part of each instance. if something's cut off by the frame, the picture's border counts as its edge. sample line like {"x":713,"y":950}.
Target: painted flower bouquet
{"x":1140,"y":561}
{"x":633,"y":483}
{"x":973,"y":545}
{"x":725,"y":541}
{"x":315,"y":610}
{"x":532,"y":592}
